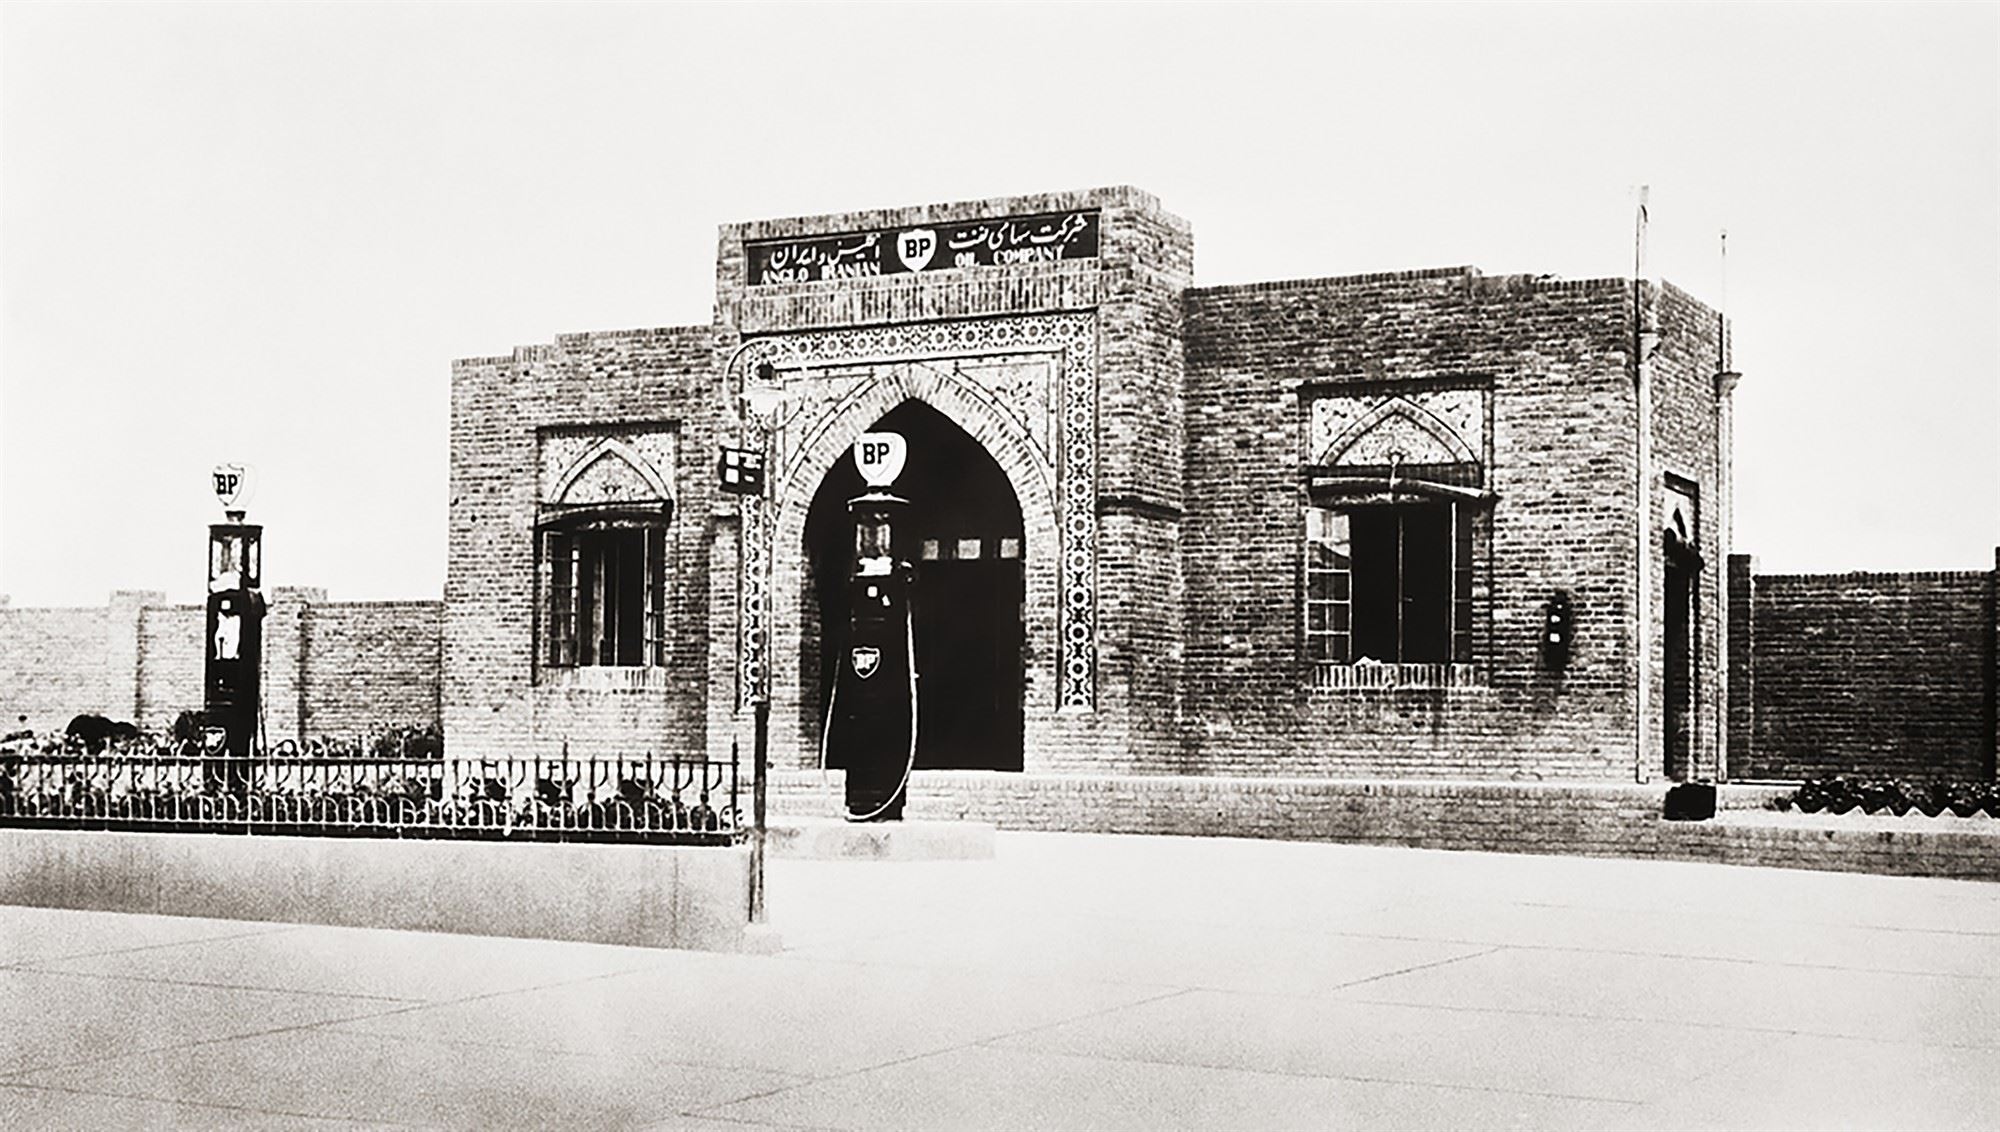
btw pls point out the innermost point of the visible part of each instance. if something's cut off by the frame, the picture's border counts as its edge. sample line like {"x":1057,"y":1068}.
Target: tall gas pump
{"x":234,"y":640}
{"x":872,"y":718}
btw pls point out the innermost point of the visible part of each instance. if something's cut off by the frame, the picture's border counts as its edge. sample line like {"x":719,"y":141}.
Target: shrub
{"x":1838,"y":794}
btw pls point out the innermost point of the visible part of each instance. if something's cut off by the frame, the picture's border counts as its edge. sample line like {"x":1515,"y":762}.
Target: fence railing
{"x":181,"y":789}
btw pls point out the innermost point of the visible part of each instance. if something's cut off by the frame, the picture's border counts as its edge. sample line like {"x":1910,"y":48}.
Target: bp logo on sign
{"x":232,"y":483}
{"x":916,"y":247}
{"x":880,"y":457}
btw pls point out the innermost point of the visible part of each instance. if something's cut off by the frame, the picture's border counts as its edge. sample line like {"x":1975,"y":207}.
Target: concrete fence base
{"x":646,"y":895}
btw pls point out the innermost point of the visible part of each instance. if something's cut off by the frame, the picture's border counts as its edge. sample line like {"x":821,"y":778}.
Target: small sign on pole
{"x":741,"y":471}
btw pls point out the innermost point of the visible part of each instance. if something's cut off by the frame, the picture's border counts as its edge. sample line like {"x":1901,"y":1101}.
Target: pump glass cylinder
{"x":872,"y":536}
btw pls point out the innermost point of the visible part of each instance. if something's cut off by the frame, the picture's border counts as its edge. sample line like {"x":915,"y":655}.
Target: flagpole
{"x":1643,"y":603}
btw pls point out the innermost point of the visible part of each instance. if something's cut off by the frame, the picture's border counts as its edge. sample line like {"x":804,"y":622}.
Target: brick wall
{"x":1555,"y":357}
{"x":1876,"y":674}
{"x":170,"y":663}
{"x":496,"y":701}
{"x":330,"y":668}
{"x":370,"y":663}
{"x":1687,"y":444}
{"x":52,"y":667}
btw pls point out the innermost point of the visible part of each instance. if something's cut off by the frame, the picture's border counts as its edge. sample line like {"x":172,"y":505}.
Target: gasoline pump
{"x":871,"y":722}
{"x":234,"y":639}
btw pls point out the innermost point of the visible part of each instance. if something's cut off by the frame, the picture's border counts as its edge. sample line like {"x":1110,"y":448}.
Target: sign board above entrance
{"x":1045,"y":238}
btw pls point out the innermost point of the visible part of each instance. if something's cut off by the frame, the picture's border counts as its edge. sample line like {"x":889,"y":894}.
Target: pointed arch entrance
{"x":963,"y":533}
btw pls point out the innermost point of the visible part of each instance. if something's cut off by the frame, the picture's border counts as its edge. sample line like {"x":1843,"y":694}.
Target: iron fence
{"x":182,"y":789}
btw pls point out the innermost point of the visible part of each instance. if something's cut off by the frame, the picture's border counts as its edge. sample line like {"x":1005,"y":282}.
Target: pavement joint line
{"x":174,"y":1047}
{"x":1681,"y":911}
{"x":1419,"y":967}
{"x":222,"y":1105}
{"x":279,"y":930}
{"x":1706,"y":914}
{"x":406,"y":1008}
{"x":1632,"y":1019}
{"x":953,"y":1048}
{"x":807,"y":958}
{"x":745,"y":1121}
{"x":1634,"y":953}
{"x":1301,"y":1075}
{"x":659,"y":1062}
{"x":163,"y":981}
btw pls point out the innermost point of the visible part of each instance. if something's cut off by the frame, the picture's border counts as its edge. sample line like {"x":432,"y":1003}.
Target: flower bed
{"x":1896,"y":797}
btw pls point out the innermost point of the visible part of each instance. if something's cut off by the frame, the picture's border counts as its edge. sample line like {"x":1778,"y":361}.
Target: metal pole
{"x":1643,"y":482}
{"x":761,"y":708}
{"x":761,"y":763}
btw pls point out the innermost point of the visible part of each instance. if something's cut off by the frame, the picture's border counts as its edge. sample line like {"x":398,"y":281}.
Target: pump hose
{"x":833,"y":699}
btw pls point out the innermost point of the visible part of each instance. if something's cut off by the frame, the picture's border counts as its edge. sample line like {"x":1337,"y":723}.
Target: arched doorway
{"x":1680,"y":626}
{"x":963,"y":533}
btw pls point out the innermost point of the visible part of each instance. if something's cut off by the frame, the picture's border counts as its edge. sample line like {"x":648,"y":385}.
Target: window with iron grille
{"x":1389,"y":584}
{"x":606,"y":594}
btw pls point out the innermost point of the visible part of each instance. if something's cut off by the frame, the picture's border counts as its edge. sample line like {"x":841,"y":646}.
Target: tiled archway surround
{"x":1024,"y":386}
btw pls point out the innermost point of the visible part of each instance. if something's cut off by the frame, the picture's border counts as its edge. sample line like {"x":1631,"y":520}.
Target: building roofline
{"x":538,"y":351}
{"x":1418,"y":275}
{"x":830,"y":223}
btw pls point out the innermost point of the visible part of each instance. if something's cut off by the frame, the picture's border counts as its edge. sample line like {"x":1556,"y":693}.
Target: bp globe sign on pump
{"x":880,"y":457}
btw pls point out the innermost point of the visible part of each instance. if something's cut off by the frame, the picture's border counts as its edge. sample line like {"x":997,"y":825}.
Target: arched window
{"x":1395,"y":500}
{"x":603,"y":544}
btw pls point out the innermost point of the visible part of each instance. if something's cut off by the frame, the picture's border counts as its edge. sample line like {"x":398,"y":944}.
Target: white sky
{"x":261,"y":233}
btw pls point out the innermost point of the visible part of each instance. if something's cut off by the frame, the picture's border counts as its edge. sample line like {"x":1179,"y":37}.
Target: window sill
{"x":605,"y":678}
{"x":1350,"y":677}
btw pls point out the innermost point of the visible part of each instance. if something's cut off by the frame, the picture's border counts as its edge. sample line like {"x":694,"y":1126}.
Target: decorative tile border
{"x":1070,"y":338}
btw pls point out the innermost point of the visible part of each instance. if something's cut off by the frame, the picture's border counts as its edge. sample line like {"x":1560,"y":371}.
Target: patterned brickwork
{"x":1158,"y":439}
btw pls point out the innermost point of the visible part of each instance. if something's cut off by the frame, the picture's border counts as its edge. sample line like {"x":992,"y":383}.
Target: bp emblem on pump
{"x":880,"y":457}
{"x":871,"y":724}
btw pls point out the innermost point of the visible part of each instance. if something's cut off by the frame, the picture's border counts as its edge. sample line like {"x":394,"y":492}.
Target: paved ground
{"x":1074,"y":982}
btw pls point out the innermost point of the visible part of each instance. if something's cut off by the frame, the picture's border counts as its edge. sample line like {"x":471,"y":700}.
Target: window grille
{"x":1389,"y":584}
{"x":607,"y":595}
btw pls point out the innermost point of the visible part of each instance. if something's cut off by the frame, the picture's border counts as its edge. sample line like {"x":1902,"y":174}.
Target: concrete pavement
{"x":1074,"y":981}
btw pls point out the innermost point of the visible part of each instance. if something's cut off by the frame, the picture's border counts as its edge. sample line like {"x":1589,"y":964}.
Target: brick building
{"x":1307,"y":528}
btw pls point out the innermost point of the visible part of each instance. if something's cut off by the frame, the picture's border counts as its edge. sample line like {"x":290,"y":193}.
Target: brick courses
{"x":1555,"y":357}
{"x":330,"y":668}
{"x":1573,"y":819}
{"x":1872,"y":674}
{"x":495,"y":701}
